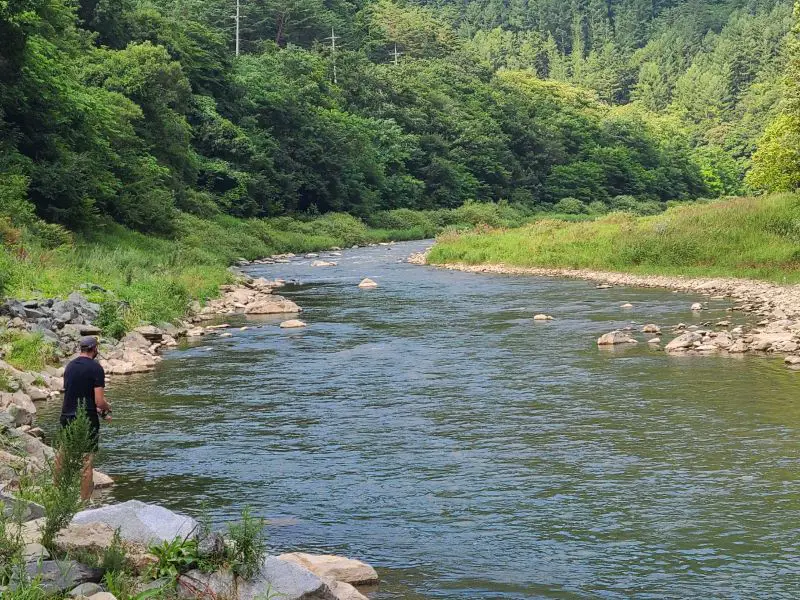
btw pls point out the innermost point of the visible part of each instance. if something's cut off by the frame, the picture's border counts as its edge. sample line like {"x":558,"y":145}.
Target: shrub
{"x":597,"y":208}
{"x":10,"y":540}
{"x":62,"y":498}
{"x":570,"y":206}
{"x":249,"y":546}
{"x":111,"y":318}
{"x":174,"y":558}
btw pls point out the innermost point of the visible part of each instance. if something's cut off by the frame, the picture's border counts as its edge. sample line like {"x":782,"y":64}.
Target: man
{"x":84,"y":384}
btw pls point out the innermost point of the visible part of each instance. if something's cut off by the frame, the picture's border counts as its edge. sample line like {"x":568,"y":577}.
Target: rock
{"x":367,"y":283}
{"x":697,"y":306}
{"x":278,"y":578}
{"x":84,"y":307}
{"x":706,"y":348}
{"x":785,"y":346}
{"x":344,"y":591}
{"x":102,"y":596}
{"x":651,"y":328}
{"x":58,"y":577}
{"x":542,"y":317}
{"x":225,"y":335}
{"x":90,"y":330}
{"x":614,"y":338}
{"x":25,"y":510}
{"x":34,"y":552}
{"x":86,"y":589}
{"x":323,"y":263}
{"x":13,"y":308}
{"x":293,"y":323}
{"x":272,"y":305}
{"x":626,"y":305}
{"x":683,"y":341}
{"x":311,"y":255}
{"x":151,"y":333}
{"x":135,"y":340}
{"x":338,"y":568}
{"x":792,"y":360}
{"x":19,"y":405}
{"x":84,"y":537}
{"x":141,"y":523}
{"x":654,"y":341}
{"x":738,"y":347}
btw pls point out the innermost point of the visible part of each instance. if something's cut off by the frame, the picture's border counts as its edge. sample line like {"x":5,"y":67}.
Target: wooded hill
{"x":135,"y":110}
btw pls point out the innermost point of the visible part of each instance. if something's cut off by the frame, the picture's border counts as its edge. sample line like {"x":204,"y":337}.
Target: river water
{"x":431,"y":428}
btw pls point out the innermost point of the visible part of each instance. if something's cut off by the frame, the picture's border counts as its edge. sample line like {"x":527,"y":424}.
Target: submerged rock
{"x":683,"y":341}
{"x":338,"y":568}
{"x":293,"y":324}
{"x":542,"y":317}
{"x":367,"y":283}
{"x":614,"y":338}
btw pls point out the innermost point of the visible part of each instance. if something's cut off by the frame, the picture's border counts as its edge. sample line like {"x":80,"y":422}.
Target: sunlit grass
{"x":756,"y":238}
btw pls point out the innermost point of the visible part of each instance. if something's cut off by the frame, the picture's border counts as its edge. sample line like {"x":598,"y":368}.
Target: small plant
{"x":62,"y":499}
{"x":114,"y":558}
{"x":10,"y":540}
{"x":174,"y":558}
{"x":112,"y":319}
{"x":249,"y":545}
{"x":6,"y":382}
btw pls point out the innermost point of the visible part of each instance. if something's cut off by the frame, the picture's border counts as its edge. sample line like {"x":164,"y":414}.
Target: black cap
{"x":88,"y":342}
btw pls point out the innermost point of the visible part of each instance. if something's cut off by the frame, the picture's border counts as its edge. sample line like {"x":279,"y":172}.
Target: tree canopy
{"x":137,"y":109}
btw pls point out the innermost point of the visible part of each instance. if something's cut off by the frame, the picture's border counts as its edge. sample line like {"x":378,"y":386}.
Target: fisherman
{"x":84,"y":386}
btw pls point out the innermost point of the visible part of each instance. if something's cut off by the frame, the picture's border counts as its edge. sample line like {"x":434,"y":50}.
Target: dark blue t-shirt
{"x":81,"y":376}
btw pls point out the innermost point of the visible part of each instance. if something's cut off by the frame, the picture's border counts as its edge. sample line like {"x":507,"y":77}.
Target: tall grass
{"x":755,"y":238}
{"x":151,"y":279}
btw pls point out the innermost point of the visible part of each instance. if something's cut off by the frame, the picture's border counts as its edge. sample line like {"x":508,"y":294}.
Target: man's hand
{"x":103,"y":407}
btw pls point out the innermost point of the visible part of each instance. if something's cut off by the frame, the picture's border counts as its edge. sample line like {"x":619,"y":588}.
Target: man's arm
{"x":100,"y":393}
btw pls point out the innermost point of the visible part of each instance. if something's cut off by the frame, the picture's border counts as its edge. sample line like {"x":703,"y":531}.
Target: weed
{"x":174,"y":558}
{"x":249,"y":546}
{"x":62,"y":499}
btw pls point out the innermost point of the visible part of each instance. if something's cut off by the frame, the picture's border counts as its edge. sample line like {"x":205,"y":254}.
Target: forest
{"x":139,"y":111}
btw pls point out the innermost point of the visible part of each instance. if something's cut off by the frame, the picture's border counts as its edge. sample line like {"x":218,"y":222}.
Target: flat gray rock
{"x":14,"y":506}
{"x":86,"y":589}
{"x":57,"y":577}
{"x":141,"y":523}
{"x":278,"y":578}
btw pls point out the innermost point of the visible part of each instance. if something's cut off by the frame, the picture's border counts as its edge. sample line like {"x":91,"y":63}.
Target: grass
{"x":151,"y":279}
{"x":25,"y":351}
{"x":755,"y":238}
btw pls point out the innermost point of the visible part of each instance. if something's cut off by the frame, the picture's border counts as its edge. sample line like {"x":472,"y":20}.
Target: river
{"x":431,"y":428}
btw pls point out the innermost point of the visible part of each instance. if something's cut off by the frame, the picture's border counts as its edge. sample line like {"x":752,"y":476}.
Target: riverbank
{"x":51,"y":328}
{"x":746,"y":238}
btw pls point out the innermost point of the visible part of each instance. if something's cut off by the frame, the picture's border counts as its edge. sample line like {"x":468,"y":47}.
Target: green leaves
{"x":174,"y":558}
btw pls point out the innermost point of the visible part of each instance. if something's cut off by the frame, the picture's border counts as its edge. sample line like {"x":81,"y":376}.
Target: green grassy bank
{"x":152,"y":279}
{"x":757,"y":238}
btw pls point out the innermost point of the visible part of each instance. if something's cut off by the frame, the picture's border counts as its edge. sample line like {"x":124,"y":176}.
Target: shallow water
{"x":433,"y":429}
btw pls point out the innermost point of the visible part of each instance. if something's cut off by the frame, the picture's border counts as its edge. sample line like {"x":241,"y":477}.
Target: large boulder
{"x":87,"y":310}
{"x":84,"y":537}
{"x":272,"y":305}
{"x":58,"y":577}
{"x":684,"y":341}
{"x":141,"y":523}
{"x":279,"y":578}
{"x":614,"y":338}
{"x":151,"y":333}
{"x":339,"y":568}
{"x":19,"y":405}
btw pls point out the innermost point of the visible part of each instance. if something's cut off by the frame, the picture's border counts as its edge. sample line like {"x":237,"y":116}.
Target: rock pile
{"x":251,"y":297}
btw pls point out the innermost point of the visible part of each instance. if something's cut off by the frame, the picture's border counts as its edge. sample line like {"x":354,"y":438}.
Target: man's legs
{"x":87,"y":477}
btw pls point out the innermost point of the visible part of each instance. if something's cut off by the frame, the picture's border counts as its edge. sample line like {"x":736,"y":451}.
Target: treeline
{"x":137,"y":110}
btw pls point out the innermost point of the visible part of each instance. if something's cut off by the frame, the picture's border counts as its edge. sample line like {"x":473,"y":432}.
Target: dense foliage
{"x":137,"y":110}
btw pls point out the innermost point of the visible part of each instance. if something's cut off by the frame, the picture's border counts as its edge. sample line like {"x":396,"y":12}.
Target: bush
{"x":249,"y":546}
{"x":570,"y":206}
{"x":174,"y":558}
{"x":112,"y":318}
{"x":10,"y":541}
{"x":62,"y":499}
{"x":597,"y":208}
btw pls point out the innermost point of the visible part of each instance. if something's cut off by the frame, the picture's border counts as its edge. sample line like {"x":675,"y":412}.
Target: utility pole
{"x":237,"y":18}
{"x":396,"y":56}
{"x":333,"y":39}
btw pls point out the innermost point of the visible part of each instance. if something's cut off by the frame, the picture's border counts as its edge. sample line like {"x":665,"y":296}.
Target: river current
{"x":433,"y":429}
